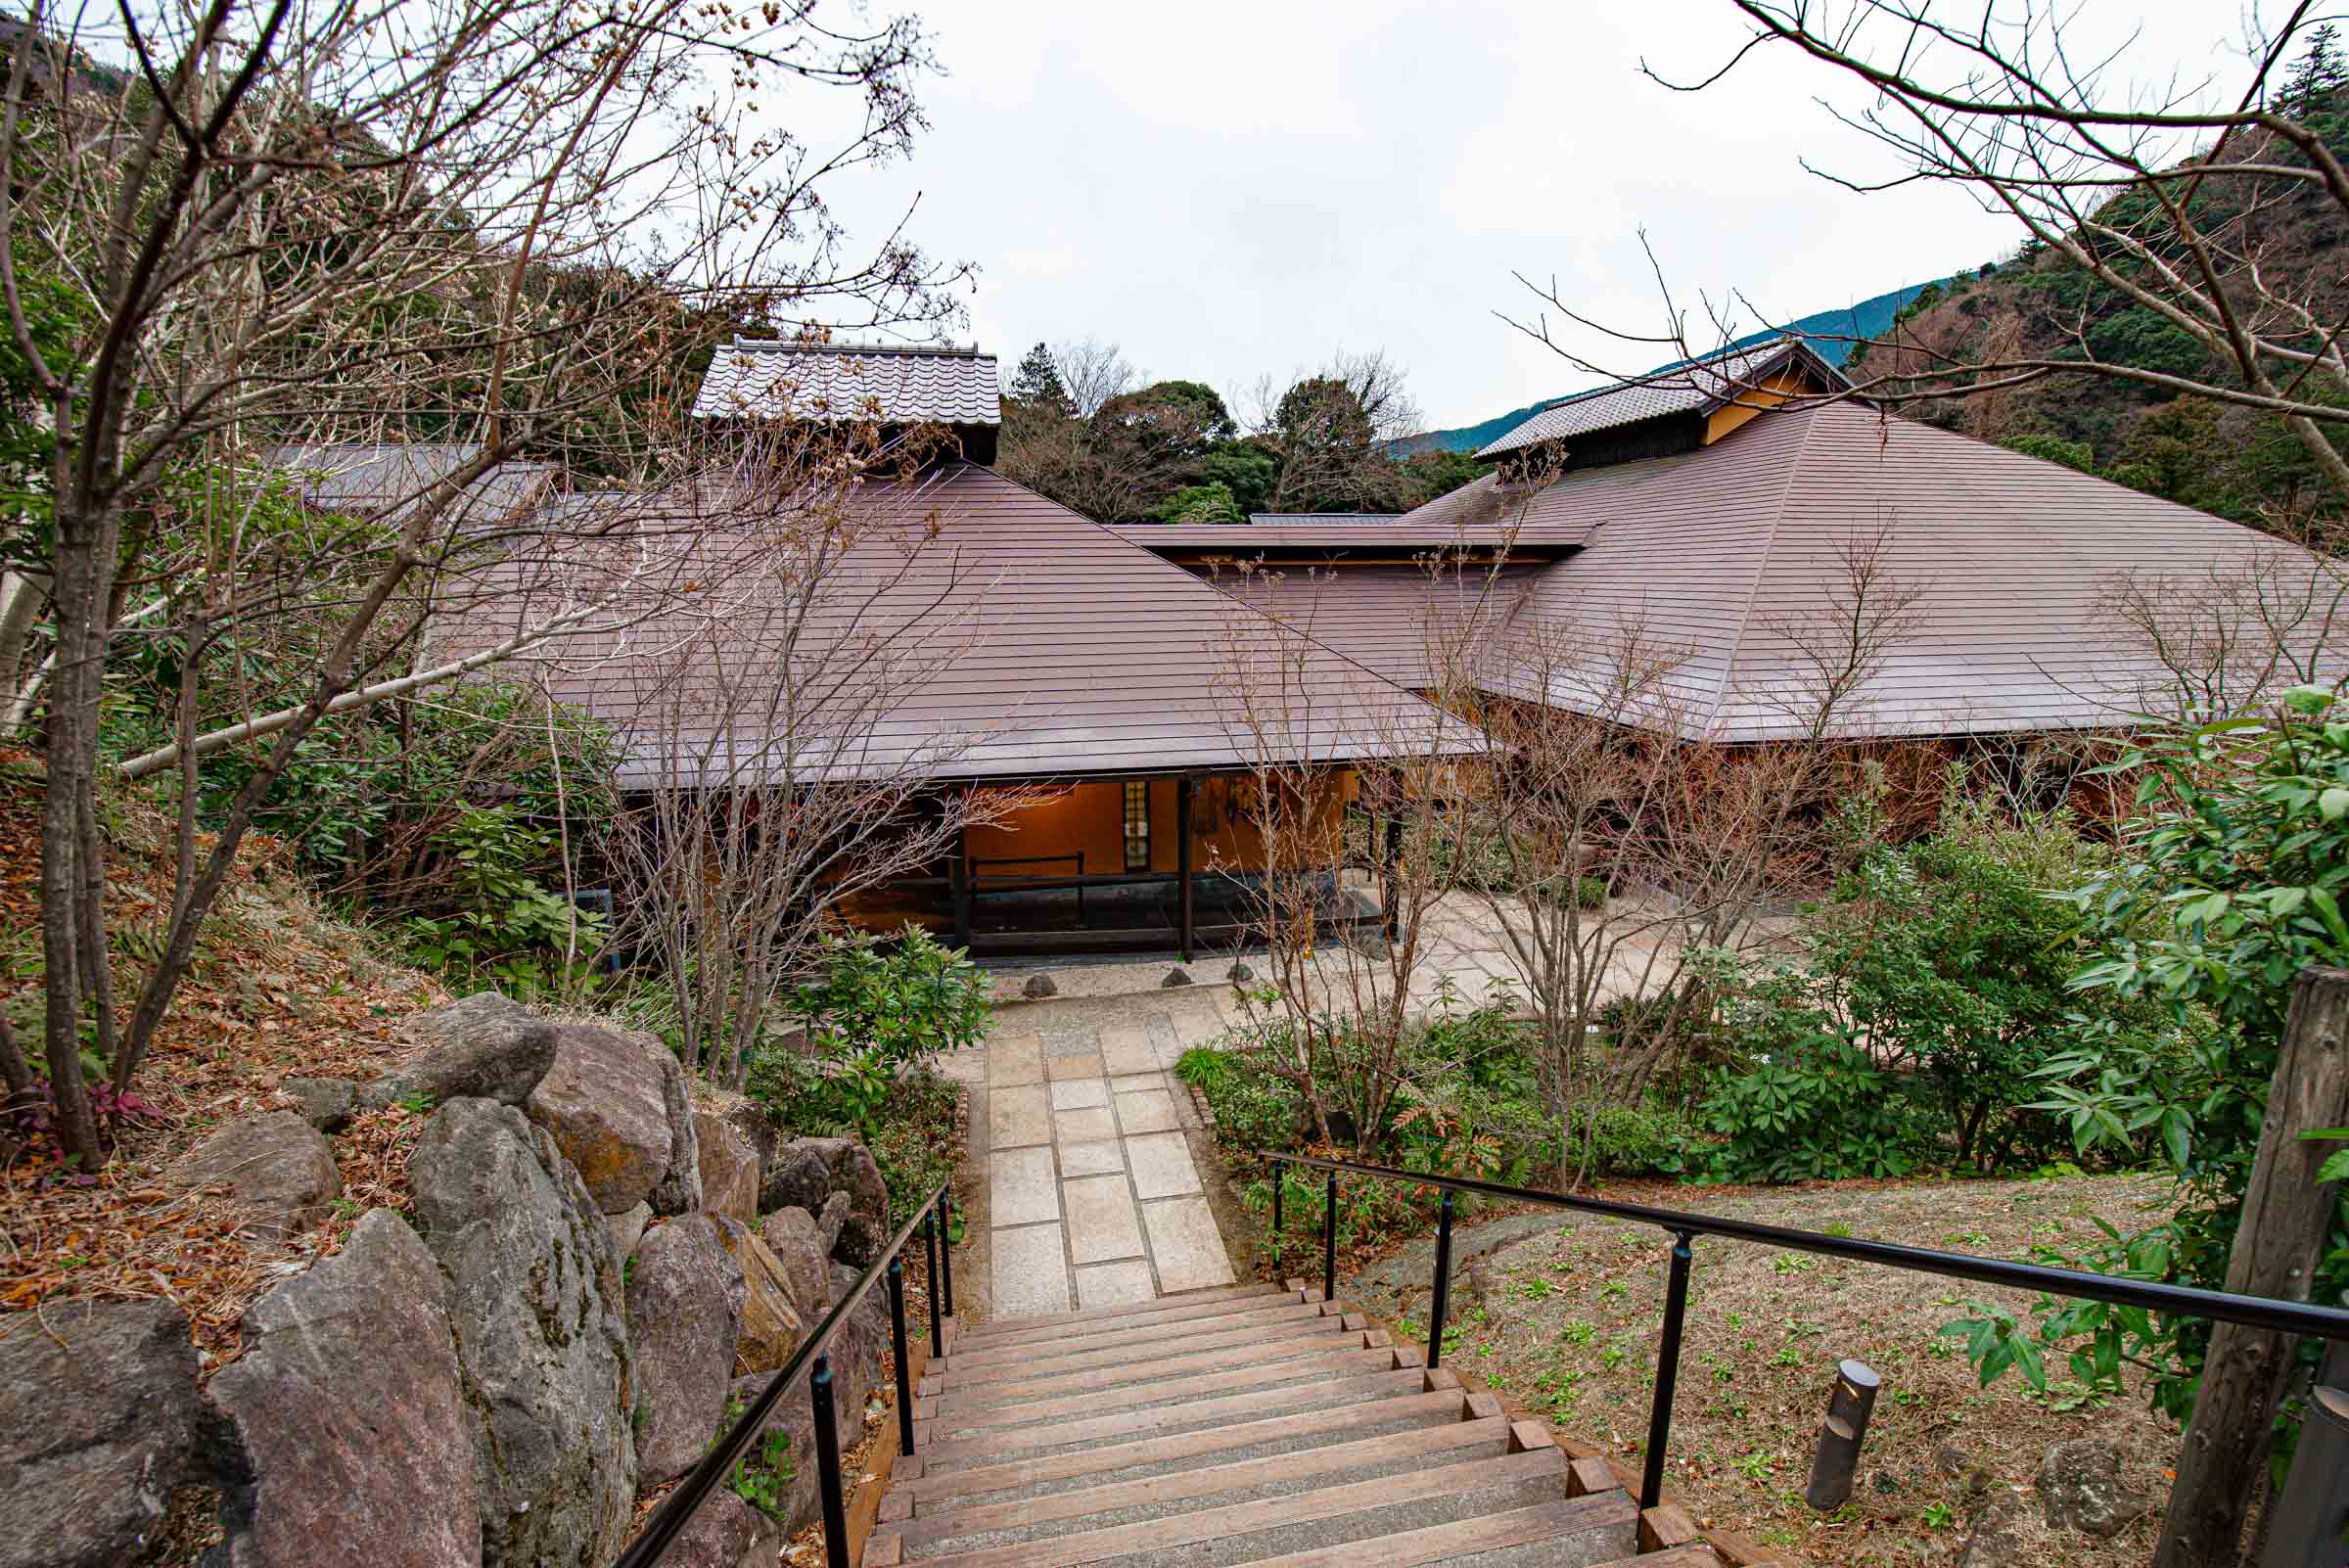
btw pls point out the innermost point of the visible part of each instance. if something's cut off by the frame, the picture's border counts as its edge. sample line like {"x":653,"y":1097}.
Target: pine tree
{"x":2317,"y":74}
{"x":1037,"y":383}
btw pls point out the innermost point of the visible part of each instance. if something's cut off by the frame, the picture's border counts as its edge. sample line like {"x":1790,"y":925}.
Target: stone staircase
{"x":1249,"y":1425}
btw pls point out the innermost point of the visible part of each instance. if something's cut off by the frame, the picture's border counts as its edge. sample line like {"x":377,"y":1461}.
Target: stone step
{"x":1133,"y":1314}
{"x":995,"y":1445}
{"x":1271,"y":1527}
{"x":1120,"y":1335}
{"x":1548,"y":1535}
{"x":968,"y":1527}
{"x":1312,"y":1364}
{"x":1098,"y":1372}
{"x":1111,"y":1463}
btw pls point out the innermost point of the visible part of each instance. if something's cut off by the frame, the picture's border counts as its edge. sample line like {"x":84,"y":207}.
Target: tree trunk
{"x":2287,"y":1215}
{"x":71,"y":773}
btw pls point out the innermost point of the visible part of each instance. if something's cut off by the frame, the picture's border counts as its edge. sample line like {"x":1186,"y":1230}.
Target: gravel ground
{"x":1560,"y":1315}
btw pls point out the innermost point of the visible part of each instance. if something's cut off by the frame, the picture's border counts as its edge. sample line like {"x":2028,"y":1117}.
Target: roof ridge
{"x":936,"y":350}
{"x":1769,"y":544}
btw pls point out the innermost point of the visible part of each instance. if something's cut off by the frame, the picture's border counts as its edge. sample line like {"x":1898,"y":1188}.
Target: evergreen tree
{"x":1037,"y":383}
{"x":2317,"y":74}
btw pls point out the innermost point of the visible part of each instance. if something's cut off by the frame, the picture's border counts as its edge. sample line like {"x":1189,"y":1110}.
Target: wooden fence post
{"x":2276,"y":1246}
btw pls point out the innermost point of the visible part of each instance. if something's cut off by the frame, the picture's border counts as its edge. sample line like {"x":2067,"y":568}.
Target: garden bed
{"x":1562,"y":1321}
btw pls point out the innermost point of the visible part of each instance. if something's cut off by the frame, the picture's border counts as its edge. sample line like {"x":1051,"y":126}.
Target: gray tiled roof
{"x":1695,"y":385}
{"x":1317,"y":519}
{"x":753,"y":378}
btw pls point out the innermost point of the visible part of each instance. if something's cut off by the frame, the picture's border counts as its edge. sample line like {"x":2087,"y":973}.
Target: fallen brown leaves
{"x":279,"y":989}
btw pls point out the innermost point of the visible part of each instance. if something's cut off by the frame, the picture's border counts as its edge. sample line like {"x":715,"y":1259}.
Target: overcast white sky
{"x":1225,"y":188}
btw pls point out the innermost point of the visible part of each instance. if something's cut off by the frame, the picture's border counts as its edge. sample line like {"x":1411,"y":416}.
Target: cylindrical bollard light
{"x":1838,"y":1457}
{"x":2308,"y":1524}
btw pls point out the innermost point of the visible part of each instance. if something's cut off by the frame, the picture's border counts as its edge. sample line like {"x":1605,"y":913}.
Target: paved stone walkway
{"x":1094,"y":1192}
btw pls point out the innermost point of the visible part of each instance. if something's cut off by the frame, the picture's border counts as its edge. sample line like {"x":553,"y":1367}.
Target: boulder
{"x":749,"y":1118}
{"x":729,"y":1165}
{"x":603,"y":1101}
{"x":1490,"y":1292}
{"x":1176,"y":975}
{"x":801,"y":1178}
{"x":830,"y":1223}
{"x":535,"y":1298}
{"x":1241,"y":974}
{"x":1040,"y":987}
{"x":627,"y":1229}
{"x":725,"y":1532}
{"x":771,"y":1326}
{"x":1999,"y":1537}
{"x":2080,"y":1489}
{"x":685,"y":1300}
{"x":681,"y":1190}
{"x":850,"y":1168}
{"x":482,"y":1046}
{"x":276,"y":1166}
{"x":797,"y":1243}
{"x":326,"y":1103}
{"x":349,"y":1409}
{"x":99,"y":1421}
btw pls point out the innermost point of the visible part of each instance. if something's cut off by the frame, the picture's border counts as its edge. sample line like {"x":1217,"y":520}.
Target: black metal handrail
{"x":2185,"y":1301}
{"x":934,"y":1217}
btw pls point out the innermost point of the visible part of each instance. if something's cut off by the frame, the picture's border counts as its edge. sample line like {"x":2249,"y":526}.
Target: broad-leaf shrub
{"x":2237,"y":872}
{"x":874,"y":1011}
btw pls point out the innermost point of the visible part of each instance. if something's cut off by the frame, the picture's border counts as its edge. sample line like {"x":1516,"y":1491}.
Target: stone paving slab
{"x":1090,"y":1124}
{"x":1013,"y":1059}
{"x":1082,"y":1159}
{"x":1161,"y":1165}
{"x":1102,"y":1223}
{"x":1021,"y":1186}
{"x":1150,"y":1110}
{"x":1075,"y":1094}
{"x":1115,"y":1284}
{"x":1031,"y":1277}
{"x":1018,"y":1115}
{"x":1082,"y":1064}
{"x":1185,"y":1245}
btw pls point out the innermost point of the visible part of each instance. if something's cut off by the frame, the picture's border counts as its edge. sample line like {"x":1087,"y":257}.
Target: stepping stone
{"x":1101,"y":1221}
{"x":1030,"y":1274}
{"x":1188,"y":1247}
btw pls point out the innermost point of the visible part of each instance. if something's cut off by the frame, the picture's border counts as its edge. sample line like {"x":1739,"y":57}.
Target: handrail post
{"x":946,"y":1249}
{"x":1443,"y":1293}
{"x":896,"y":1341}
{"x":937,"y":1324}
{"x":1280,"y":1180}
{"x":827,"y":1463}
{"x":1329,"y":1239}
{"x":1668,"y":1372}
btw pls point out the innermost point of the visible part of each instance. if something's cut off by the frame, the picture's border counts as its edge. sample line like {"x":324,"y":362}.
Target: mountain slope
{"x":1830,"y":333}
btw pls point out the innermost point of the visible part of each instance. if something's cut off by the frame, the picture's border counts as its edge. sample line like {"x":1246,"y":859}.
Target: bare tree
{"x":1093,"y":372}
{"x":775,"y":769}
{"x":2171,"y":201}
{"x":505,"y":222}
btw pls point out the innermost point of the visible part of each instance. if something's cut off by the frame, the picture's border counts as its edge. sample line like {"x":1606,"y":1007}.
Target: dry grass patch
{"x":1565,"y":1328}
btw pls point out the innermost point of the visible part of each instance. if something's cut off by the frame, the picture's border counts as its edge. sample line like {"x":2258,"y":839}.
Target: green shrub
{"x":1821,"y":1109}
{"x":1645,"y":1139}
{"x":903,"y":1003}
{"x":914,"y":1139}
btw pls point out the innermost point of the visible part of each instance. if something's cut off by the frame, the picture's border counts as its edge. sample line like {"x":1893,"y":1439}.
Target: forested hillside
{"x":2236,"y":462}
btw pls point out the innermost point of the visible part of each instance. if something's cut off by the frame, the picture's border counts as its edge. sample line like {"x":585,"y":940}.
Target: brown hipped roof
{"x":1736,"y":554}
{"x":1055,"y":649}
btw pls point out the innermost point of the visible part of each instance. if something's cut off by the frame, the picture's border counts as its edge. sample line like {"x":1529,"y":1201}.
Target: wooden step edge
{"x":1230,"y":1342}
{"x":1262,"y":1513}
{"x":1331,"y":1366}
{"x":1433,"y":1401}
{"x":1678,"y":1558}
{"x":1000,"y":1327}
{"x":1461,"y":1538}
{"x":1734,"y":1548}
{"x":950,"y":1455}
{"x":1447,"y":1441}
{"x":1113,"y":1376}
{"x":1111,"y":1336}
